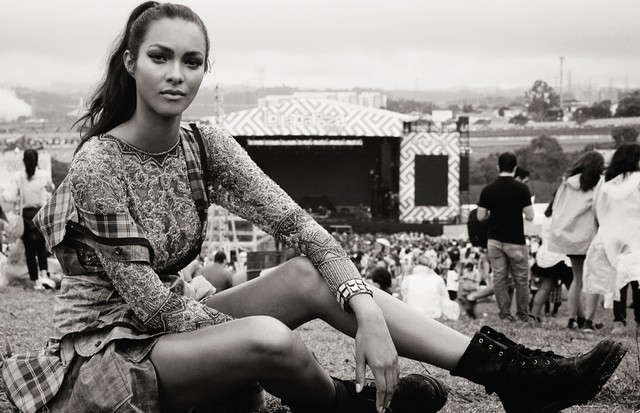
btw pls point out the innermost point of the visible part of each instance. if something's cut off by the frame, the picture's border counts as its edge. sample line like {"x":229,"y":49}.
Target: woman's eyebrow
{"x":194,"y":53}
{"x":168,"y":50}
{"x":162,"y":48}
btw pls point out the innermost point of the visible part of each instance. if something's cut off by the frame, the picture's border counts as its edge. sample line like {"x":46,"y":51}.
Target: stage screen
{"x":431,"y":180}
{"x":332,"y":169}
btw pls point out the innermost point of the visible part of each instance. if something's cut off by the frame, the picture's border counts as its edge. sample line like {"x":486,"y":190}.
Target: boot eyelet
{"x":500,"y":354}
{"x":480,"y":340}
{"x":535,"y":361}
{"x":490,"y":346}
{"x":522,"y":363}
{"x":547,"y":362}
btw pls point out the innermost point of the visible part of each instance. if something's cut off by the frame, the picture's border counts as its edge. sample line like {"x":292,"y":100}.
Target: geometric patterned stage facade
{"x":315,"y":119}
{"x":415,"y":146}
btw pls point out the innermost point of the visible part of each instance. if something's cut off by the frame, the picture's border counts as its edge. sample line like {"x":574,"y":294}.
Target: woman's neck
{"x":153,"y":136}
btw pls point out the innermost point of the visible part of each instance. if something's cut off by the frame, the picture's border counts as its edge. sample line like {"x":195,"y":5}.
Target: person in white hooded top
{"x":613,"y":258}
{"x":573,"y":226}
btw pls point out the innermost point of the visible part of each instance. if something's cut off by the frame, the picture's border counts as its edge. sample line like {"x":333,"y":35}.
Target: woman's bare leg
{"x":201,"y":367}
{"x":590,"y":305}
{"x":575,"y":291}
{"x":542,"y":295}
{"x":295,"y":293}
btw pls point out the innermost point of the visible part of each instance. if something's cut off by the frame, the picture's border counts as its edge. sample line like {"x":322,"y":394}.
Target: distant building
{"x":375,"y":100}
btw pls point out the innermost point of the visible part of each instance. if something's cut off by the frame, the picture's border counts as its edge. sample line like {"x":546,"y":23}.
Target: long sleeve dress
{"x":122,"y":224}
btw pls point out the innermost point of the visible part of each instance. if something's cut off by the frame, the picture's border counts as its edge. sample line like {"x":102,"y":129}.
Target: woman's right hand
{"x":375,"y":348}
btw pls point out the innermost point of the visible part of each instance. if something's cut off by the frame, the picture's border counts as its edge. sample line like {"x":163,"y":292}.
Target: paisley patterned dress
{"x":122,"y":224}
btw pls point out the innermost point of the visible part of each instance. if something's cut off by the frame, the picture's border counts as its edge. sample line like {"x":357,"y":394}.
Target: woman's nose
{"x":175,"y":74}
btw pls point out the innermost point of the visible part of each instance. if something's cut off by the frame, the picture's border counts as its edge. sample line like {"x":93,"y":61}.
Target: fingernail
{"x":381,"y":409}
{"x":358,"y":387}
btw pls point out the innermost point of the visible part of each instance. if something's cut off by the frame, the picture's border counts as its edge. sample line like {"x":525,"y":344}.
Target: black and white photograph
{"x":330,"y":206}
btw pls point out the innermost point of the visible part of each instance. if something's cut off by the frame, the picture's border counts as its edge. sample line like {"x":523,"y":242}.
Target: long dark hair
{"x":30,"y":159}
{"x":624,"y":160}
{"x":590,"y":166}
{"x":114,"y":100}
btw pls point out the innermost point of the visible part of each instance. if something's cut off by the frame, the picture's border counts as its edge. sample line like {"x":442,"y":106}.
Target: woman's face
{"x":170,"y":66}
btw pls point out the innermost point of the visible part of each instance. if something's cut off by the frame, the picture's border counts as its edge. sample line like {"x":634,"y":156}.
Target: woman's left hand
{"x":203,"y":288}
{"x":375,"y":348}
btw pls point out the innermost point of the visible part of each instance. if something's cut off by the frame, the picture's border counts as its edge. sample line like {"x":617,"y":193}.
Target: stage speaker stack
{"x":462,"y":126}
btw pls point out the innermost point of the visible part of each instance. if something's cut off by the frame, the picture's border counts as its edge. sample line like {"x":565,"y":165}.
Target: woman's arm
{"x":157,"y":307}
{"x":102,"y":205}
{"x":240,"y":186}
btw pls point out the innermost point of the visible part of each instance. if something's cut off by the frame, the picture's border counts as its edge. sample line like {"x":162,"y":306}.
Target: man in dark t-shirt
{"x":503,"y":203}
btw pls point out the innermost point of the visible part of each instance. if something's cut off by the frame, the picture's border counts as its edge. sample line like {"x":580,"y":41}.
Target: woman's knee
{"x":272,"y":342}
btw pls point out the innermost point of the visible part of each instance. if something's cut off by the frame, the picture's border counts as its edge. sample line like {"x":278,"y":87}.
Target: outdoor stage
{"x":355,"y":165}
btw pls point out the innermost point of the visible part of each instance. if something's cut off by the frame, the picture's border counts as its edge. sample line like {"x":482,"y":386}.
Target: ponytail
{"x":114,"y":101}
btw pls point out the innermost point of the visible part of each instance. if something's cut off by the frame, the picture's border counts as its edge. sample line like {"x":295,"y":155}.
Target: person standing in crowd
{"x":522,"y":175}
{"x":216,"y":272}
{"x":133,"y":210}
{"x":551,"y":268}
{"x":33,"y":189}
{"x":503,"y":202}
{"x":573,"y":226}
{"x":613,"y":258}
{"x":480,"y":234}
{"x":452,"y":281}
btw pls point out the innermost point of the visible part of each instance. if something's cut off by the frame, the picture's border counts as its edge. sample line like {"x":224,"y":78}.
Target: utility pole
{"x":561,"y":63}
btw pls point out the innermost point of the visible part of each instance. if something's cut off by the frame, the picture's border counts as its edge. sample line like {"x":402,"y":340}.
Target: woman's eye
{"x":157,"y":57}
{"x":195,"y":63}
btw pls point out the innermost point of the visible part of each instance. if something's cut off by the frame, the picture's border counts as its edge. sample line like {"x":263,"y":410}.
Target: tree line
{"x":545,"y":160}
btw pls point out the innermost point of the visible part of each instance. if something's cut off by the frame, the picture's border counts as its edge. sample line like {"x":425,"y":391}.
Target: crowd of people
{"x":442,"y":277}
{"x":435,"y":274}
{"x":592,"y":218}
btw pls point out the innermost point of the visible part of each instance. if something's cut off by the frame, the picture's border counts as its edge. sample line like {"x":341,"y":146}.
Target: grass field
{"x":26,"y":318}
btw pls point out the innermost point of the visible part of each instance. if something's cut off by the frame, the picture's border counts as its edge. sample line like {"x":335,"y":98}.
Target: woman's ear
{"x":129,"y":62}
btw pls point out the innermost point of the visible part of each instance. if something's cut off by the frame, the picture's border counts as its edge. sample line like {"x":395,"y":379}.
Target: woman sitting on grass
{"x":132,"y":212}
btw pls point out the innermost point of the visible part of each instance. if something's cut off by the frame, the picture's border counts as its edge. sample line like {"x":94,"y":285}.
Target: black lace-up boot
{"x":533,"y":381}
{"x":416,"y":393}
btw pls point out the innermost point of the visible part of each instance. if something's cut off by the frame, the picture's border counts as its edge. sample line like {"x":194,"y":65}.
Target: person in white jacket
{"x":613,"y":258}
{"x":426,"y":291}
{"x":573,"y":226}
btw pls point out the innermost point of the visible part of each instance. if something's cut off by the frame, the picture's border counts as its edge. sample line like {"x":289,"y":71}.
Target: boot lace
{"x":526,"y":351}
{"x":537,"y":353}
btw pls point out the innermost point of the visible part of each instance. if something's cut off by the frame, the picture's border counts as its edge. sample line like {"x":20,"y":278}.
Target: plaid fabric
{"x":348,"y":289}
{"x":34,"y":377}
{"x":555,"y":294}
{"x":195,"y":173}
{"x":111,"y":225}
{"x":53,"y":217}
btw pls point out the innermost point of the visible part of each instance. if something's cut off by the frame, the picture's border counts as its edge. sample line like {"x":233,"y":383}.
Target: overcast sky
{"x":392,"y":44}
